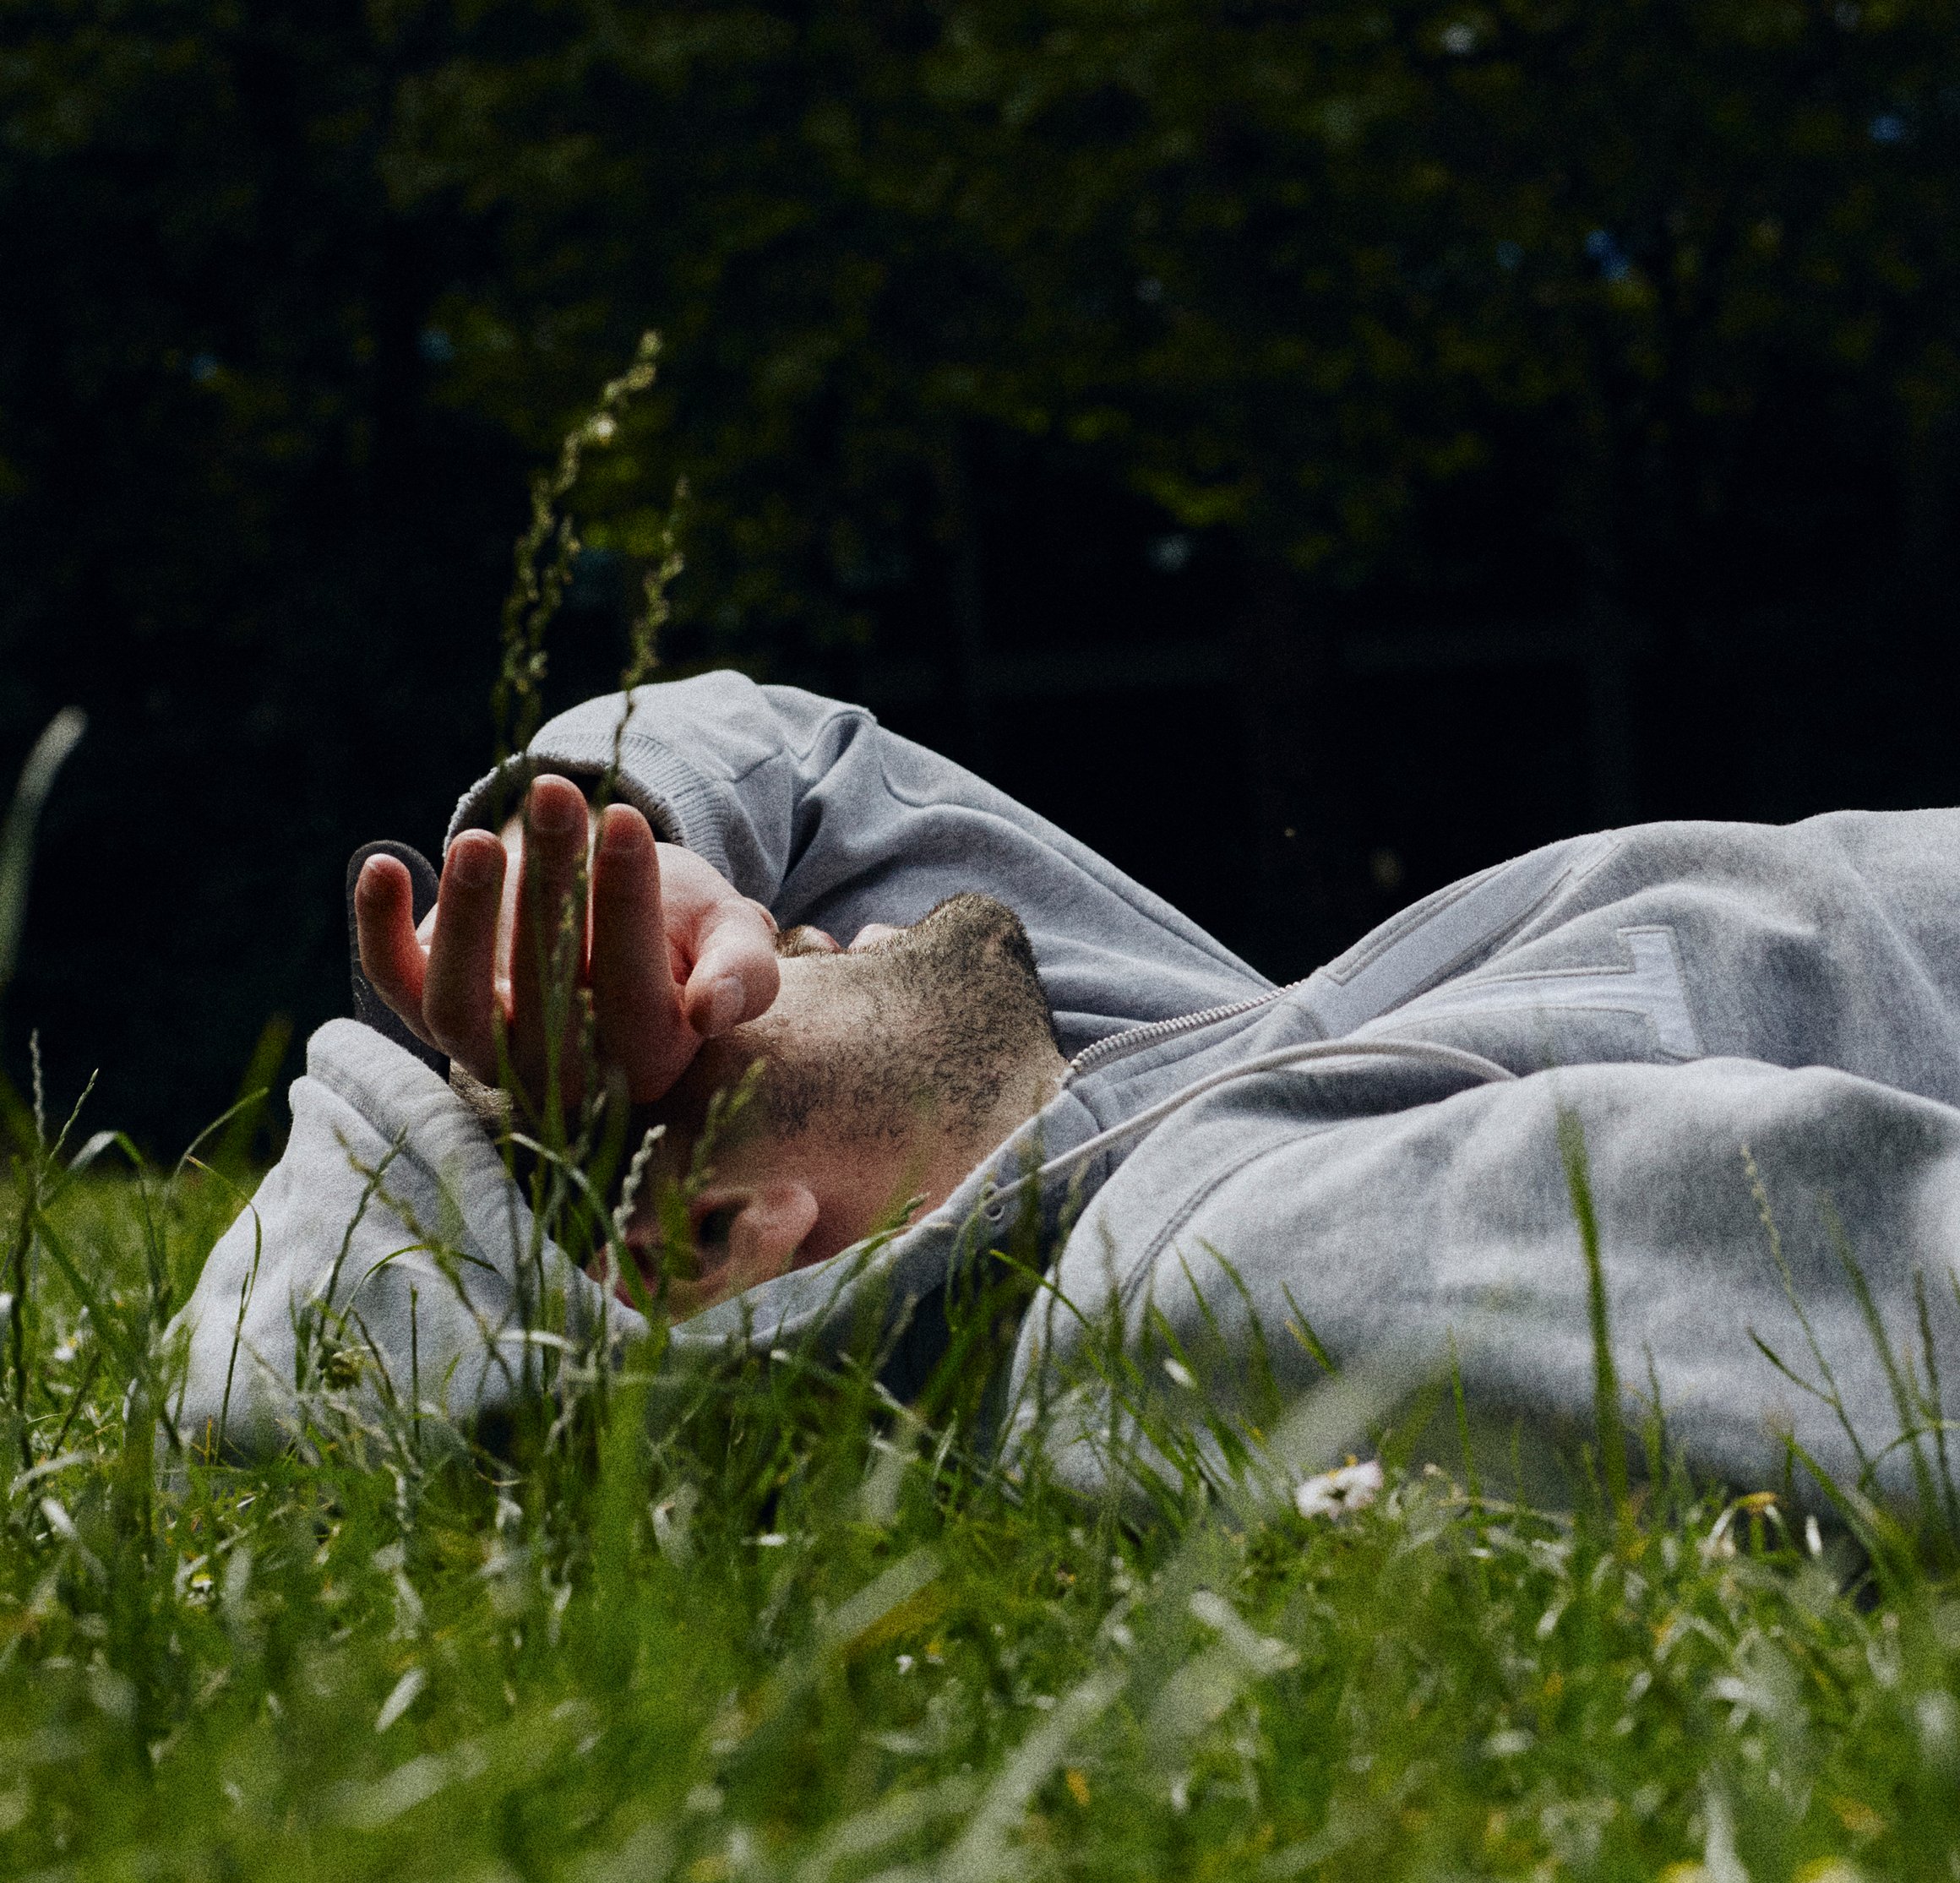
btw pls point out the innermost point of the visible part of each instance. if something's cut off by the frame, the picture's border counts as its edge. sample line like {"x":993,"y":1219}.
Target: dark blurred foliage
{"x":1310,"y":452}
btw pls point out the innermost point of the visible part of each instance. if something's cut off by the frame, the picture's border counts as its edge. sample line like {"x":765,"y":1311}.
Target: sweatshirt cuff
{"x":673,"y":795}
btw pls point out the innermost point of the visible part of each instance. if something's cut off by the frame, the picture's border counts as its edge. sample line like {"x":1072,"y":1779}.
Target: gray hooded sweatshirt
{"x":1744,"y":1040}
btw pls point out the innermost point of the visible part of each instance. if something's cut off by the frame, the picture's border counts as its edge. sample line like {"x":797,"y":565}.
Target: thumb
{"x":735,"y":976}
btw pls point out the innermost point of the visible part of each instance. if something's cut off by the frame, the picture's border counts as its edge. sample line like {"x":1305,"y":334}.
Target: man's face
{"x":886,"y":1071}
{"x":911,"y":1029}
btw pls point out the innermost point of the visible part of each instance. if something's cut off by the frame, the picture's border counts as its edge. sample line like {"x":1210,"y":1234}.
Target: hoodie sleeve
{"x":1741,"y":1211}
{"x":386,"y":1262}
{"x":812,"y":807}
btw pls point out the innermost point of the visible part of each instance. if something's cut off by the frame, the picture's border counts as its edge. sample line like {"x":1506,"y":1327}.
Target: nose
{"x":871,"y":934}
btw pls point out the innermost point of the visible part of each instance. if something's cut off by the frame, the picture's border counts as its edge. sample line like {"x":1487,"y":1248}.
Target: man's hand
{"x":672,"y":953}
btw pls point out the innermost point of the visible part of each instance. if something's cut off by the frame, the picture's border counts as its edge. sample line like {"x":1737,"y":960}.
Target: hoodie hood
{"x":388,"y":1256}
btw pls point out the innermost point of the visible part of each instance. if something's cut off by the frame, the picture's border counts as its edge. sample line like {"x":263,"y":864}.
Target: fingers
{"x":555,"y":824}
{"x":391,"y":955}
{"x":736,"y":973}
{"x":635,"y":1001}
{"x":459,"y":991}
{"x":659,"y":917}
{"x":723,"y":946}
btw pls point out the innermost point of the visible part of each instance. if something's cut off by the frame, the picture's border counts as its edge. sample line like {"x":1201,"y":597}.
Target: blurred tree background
{"x":1308,"y":452}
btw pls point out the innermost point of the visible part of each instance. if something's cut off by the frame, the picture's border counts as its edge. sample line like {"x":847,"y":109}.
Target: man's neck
{"x":884,"y":1186}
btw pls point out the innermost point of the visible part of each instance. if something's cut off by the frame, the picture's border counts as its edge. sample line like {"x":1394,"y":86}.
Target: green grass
{"x":749,"y":1620}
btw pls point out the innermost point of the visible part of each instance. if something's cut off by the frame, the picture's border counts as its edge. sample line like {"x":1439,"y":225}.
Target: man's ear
{"x":766,"y":1224}
{"x":767,"y":1230}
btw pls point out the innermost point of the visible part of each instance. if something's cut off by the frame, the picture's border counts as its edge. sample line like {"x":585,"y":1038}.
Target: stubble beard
{"x":941,"y":1030}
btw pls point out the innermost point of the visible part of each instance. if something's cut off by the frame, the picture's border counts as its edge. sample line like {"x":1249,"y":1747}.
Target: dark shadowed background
{"x":1311,"y":453}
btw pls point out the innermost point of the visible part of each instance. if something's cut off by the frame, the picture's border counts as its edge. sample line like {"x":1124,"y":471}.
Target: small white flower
{"x":1333,"y":1493}
{"x":906,"y":1663}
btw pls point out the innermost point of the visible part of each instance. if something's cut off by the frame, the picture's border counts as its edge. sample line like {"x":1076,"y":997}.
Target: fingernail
{"x":554,"y":811}
{"x":472,"y":864}
{"x":617,"y":834}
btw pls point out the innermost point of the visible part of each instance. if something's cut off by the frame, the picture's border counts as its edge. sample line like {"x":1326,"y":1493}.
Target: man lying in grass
{"x":887,"y":1070}
{"x":1735,"y":1048}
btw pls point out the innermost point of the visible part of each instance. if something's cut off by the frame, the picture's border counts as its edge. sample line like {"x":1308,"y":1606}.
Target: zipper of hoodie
{"x":994,"y":1200}
{"x":1135,"y":1039}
